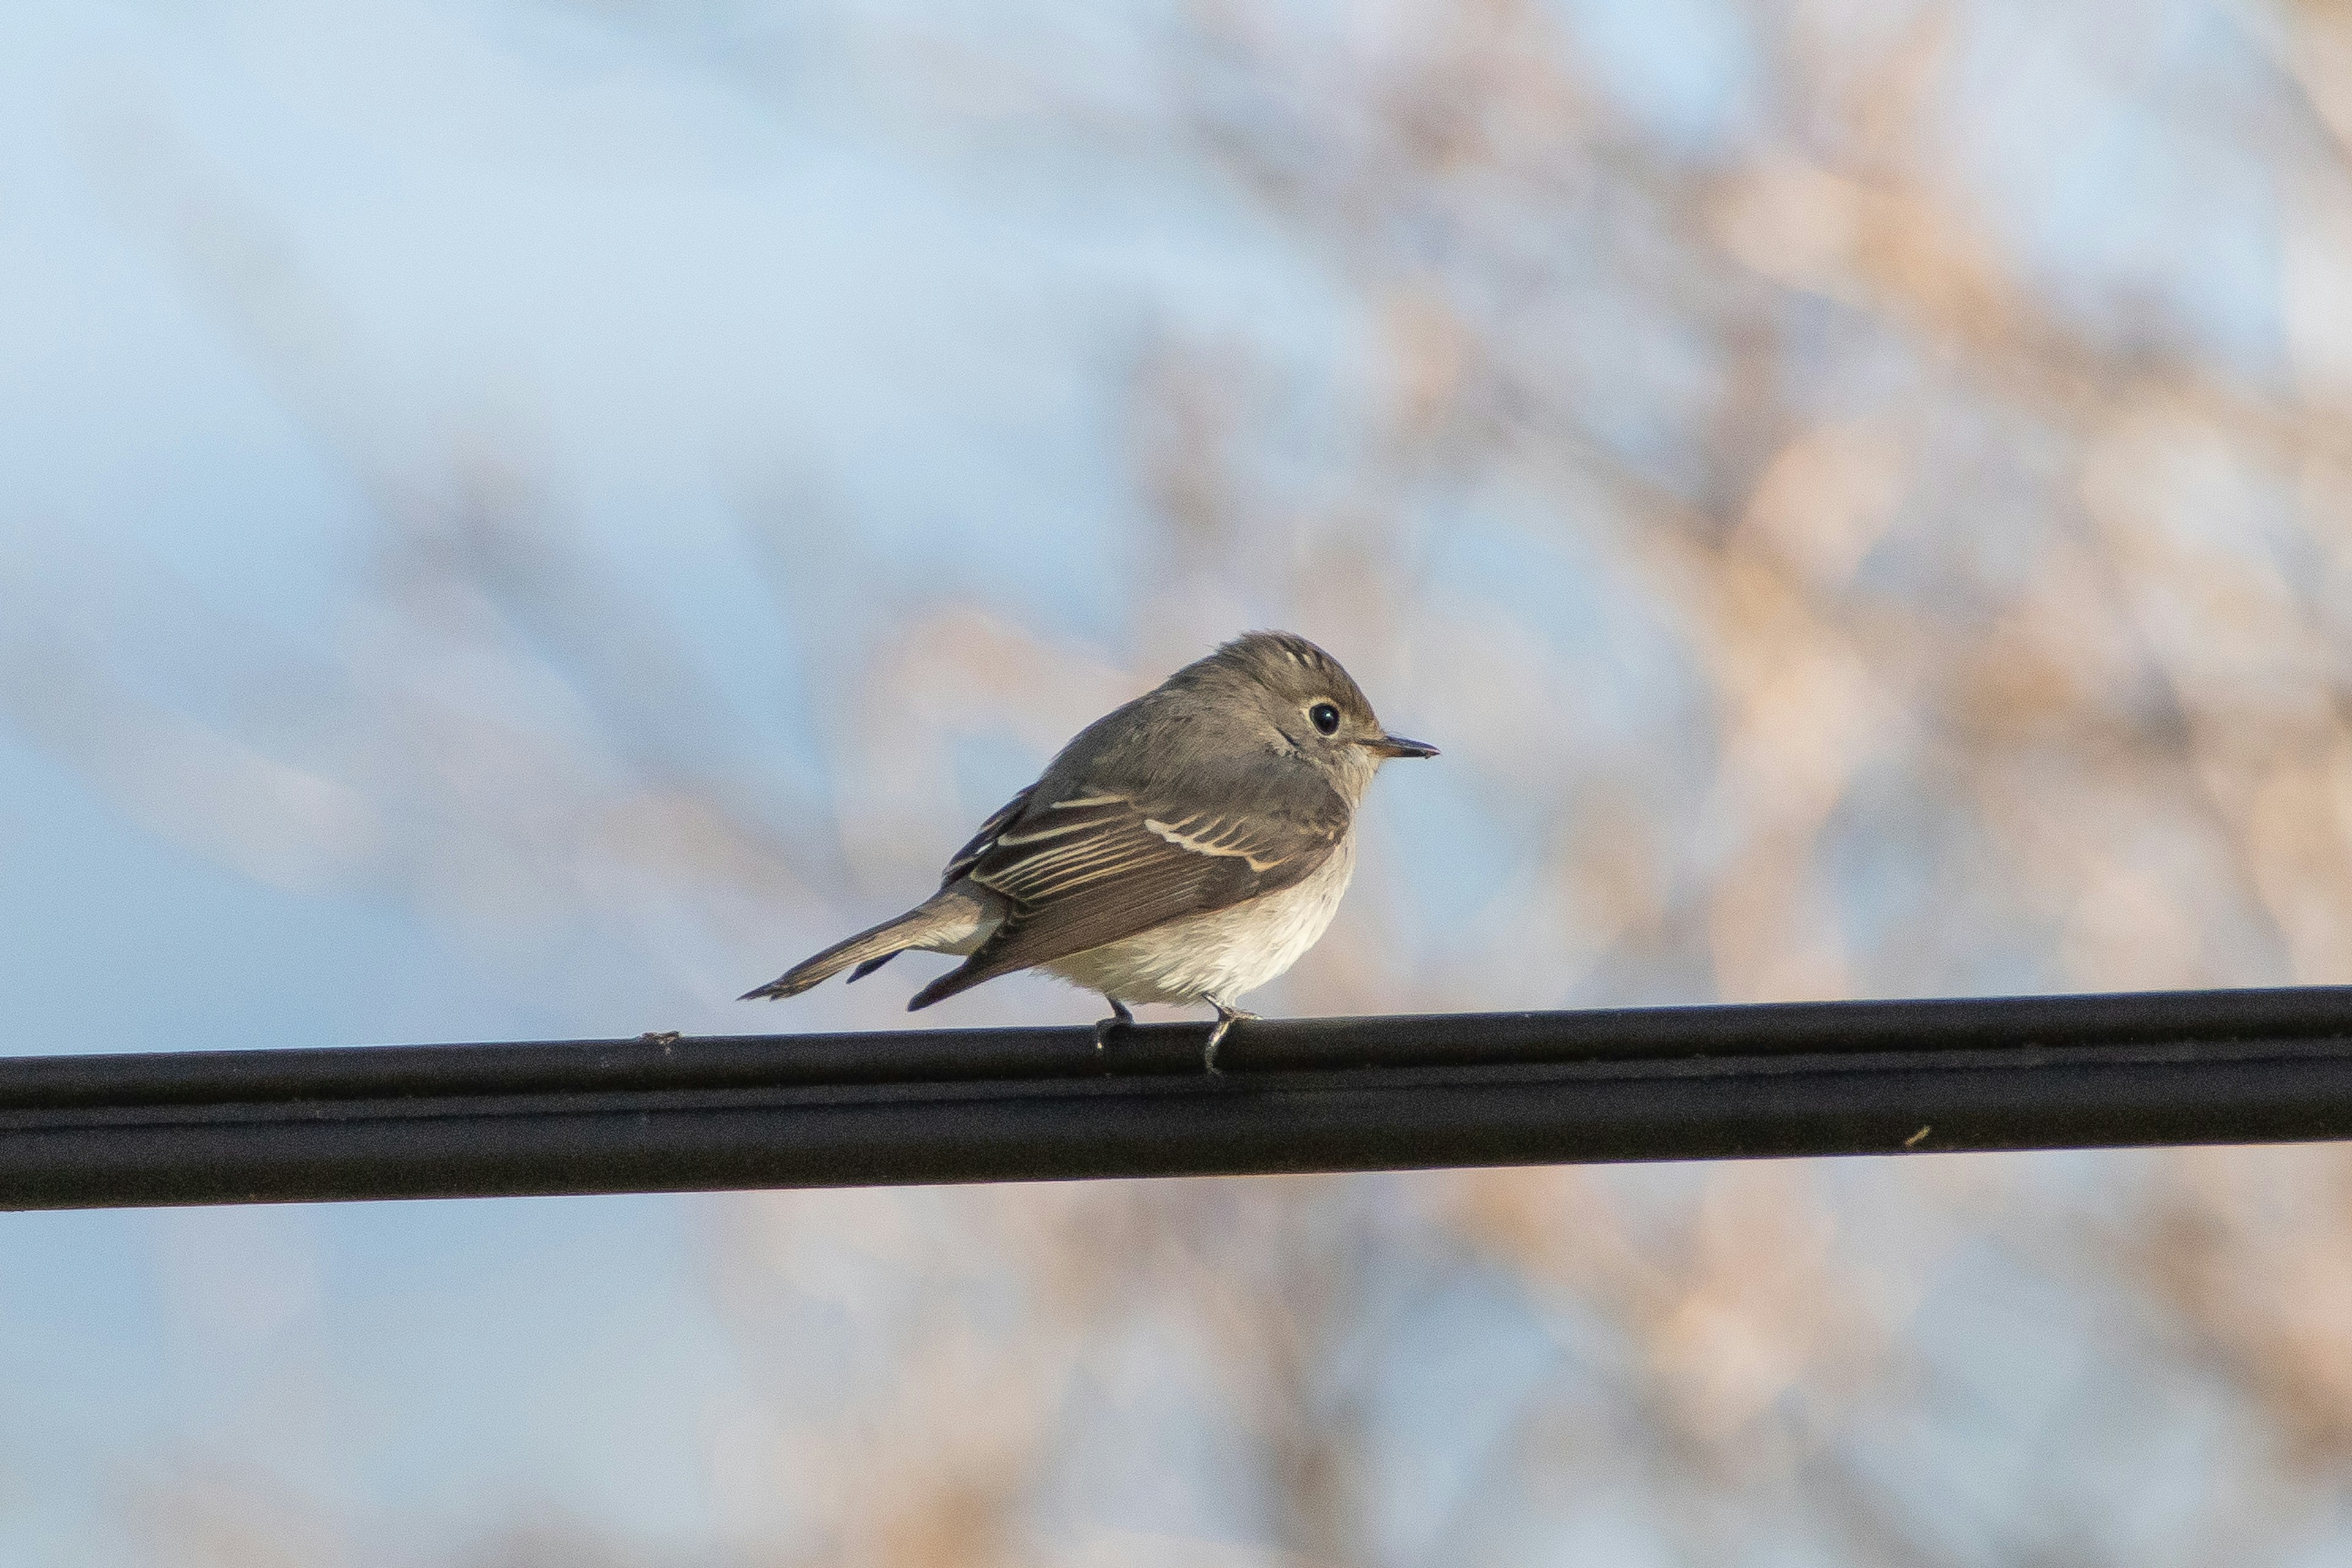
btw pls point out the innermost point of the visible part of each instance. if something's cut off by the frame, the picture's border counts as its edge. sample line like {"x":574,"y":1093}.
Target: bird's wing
{"x":985,"y":839}
{"x":1099,"y":865}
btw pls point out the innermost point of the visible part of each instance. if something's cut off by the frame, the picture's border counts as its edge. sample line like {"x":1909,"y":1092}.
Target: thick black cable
{"x":660,"y":1114}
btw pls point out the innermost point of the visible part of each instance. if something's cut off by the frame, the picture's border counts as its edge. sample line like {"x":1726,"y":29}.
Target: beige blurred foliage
{"x":2070,"y":595}
{"x":1993,"y":646}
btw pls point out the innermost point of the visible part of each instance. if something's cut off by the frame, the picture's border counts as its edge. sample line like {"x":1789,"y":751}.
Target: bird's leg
{"x":1119,"y":1019}
{"x":1227,"y":1015}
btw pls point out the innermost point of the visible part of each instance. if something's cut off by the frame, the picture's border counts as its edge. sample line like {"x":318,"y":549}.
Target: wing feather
{"x":1101,"y":865}
{"x":1002,"y":818}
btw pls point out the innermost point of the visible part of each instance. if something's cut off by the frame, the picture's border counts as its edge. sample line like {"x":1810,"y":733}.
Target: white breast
{"x":1222,"y":954}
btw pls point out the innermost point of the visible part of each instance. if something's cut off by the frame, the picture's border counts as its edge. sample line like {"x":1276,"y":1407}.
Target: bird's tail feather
{"x":980,"y":967}
{"x":943,"y":920}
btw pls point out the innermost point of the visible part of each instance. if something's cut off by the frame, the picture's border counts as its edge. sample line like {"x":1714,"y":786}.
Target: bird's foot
{"x":1226,"y":1018}
{"x":1119,"y":1019}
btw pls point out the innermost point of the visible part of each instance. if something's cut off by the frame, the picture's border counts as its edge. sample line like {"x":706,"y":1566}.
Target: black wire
{"x":1326,"y":1094}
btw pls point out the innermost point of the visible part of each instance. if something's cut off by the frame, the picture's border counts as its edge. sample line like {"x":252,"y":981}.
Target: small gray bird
{"x":1187,"y":847}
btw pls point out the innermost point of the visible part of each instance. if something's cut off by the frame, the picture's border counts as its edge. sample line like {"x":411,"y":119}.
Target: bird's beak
{"x":1398,"y":746}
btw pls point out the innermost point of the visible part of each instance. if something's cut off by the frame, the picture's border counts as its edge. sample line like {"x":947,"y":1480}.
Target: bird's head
{"x":1302,"y":695}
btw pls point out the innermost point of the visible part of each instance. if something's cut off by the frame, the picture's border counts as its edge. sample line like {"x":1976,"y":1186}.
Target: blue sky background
{"x":522,"y":221}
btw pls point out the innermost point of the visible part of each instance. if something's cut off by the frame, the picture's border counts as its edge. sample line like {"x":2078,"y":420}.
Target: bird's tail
{"x":950,"y":922}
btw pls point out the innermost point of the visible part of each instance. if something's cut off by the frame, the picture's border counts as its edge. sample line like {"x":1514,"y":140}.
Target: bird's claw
{"x":1119,"y":1019}
{"x":1226,"y":1018}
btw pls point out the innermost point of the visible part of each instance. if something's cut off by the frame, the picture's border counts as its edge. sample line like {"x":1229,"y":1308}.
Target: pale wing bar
{"x":1208,"y":834}
{"x":1035,"y":867}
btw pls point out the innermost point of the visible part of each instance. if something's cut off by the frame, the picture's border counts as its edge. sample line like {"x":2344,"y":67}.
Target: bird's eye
{"x":1326,"y":717}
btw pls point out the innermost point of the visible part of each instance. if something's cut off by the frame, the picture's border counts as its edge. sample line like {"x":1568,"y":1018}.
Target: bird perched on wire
{"x":1187,"y":847}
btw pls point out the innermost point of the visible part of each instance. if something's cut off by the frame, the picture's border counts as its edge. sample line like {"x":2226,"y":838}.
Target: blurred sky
{"x":526,"y":222}
{"x":269,"y":268}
